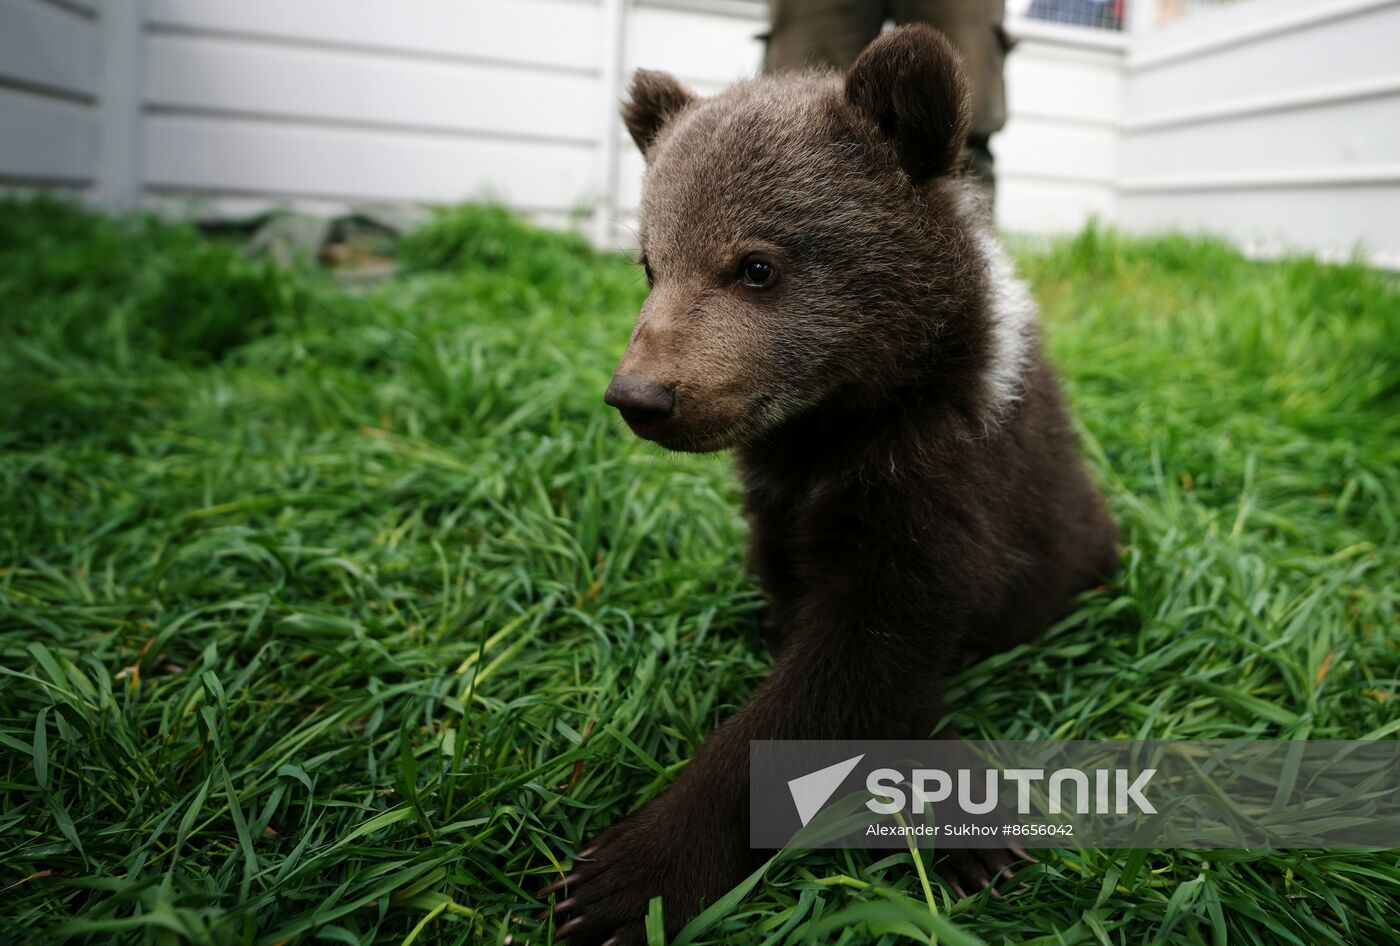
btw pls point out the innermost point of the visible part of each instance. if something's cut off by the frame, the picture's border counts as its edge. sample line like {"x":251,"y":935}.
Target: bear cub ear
{"x":910,"y":83}
{"x":653,"y":100}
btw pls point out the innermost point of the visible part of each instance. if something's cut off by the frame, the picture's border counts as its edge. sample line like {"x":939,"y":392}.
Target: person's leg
{"x":805,"y":33}
{"x":975,"y":29}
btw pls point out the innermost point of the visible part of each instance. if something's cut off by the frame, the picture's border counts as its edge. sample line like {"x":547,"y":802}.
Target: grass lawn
{"x":346,"y":616}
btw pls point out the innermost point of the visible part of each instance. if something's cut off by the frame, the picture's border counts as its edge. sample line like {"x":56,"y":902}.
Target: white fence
{"x":265,"y":102}
{"x":1273,"y":121}
{"x":49,"y":80}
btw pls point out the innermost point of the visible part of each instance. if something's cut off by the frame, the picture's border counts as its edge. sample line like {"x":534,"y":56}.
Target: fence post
{"x":119,"y":104}
{"x":614,"y":53}
{"x":1142,"y":16}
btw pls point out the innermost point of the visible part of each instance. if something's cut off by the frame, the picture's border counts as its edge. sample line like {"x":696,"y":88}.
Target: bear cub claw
{"x":968,"y":872}
{"x":604,"y":899}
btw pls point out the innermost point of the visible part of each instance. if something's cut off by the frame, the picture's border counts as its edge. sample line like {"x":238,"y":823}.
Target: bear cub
{"x":828,"y":300}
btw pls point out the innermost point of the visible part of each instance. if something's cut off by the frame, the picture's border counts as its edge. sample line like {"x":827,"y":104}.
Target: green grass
{"x":344,"y":617}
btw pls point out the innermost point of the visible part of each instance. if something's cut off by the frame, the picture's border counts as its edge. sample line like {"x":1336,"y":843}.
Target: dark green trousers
{"x":833,"y":32}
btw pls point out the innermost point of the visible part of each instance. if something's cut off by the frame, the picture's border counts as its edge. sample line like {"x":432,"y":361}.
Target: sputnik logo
{"x":813,"y":790}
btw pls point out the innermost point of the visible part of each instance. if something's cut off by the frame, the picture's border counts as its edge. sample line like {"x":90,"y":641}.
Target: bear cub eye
{"x":757,"y":272}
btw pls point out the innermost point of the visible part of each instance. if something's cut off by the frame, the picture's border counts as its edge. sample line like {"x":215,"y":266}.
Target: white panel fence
{"x":49,"y":81}
{"x":1274,"y":122}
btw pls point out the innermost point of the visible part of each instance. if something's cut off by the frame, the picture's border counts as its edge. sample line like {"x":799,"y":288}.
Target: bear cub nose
{"x":641,"y":401}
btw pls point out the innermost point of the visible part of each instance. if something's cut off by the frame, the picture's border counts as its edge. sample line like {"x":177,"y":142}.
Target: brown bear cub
{"x":826,"y":298}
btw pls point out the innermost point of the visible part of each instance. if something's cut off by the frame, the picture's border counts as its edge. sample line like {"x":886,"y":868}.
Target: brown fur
{"x":911,"y":479}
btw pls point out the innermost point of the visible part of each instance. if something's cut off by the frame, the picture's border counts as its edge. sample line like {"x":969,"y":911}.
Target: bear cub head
{"x":808,"y":245}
